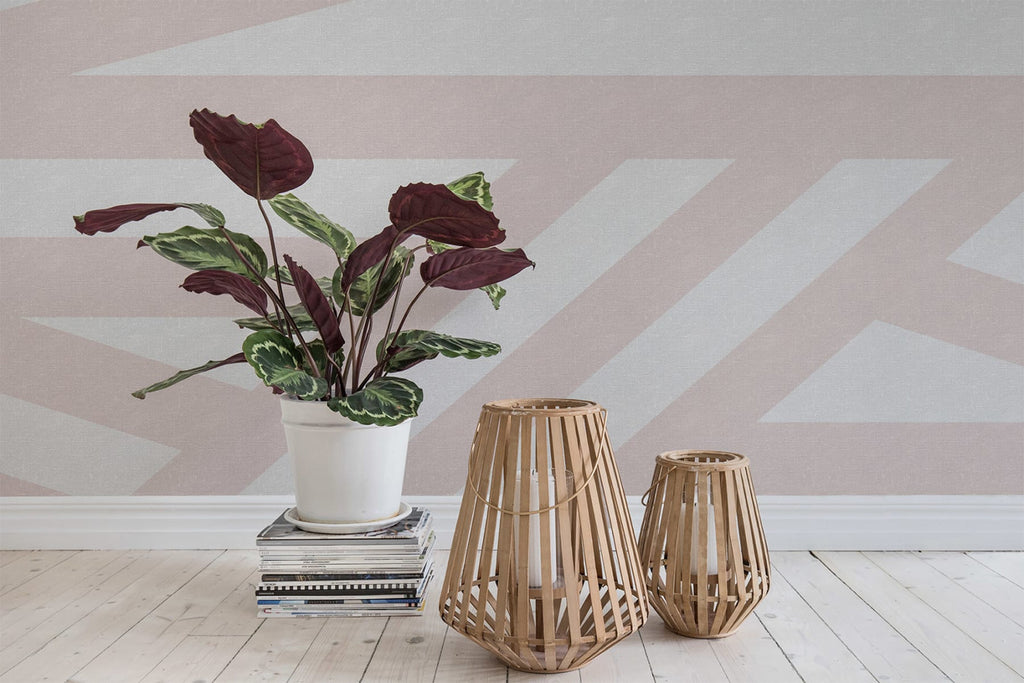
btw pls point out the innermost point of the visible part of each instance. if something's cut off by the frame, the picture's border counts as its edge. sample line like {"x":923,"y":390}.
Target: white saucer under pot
{"x":292,"y":516}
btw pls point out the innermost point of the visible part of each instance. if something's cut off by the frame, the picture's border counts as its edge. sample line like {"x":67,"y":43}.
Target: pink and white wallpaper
{"x":789,"y":229}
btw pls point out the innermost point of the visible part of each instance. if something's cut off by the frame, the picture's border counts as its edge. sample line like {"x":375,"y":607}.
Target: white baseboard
{"x":791,"y":522}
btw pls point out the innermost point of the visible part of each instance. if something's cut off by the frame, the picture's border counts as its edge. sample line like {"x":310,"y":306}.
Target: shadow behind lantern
{"x":702,"y":546}
{"x":543,"y":570}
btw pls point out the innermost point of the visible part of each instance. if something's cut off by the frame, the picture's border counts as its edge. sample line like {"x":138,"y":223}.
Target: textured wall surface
{"x":789,"y":229}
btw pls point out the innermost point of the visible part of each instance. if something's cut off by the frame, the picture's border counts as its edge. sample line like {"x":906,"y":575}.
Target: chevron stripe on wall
{"x":790,"y":229}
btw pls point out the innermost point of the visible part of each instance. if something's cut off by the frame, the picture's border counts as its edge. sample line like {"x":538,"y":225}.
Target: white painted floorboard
{"x":189,"y":616}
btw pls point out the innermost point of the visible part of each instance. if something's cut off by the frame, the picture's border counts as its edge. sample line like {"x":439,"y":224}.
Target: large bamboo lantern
{"x":543,"y":570}
{"x":702,"y":547}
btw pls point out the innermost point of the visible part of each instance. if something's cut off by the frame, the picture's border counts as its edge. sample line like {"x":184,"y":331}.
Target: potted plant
{"x":332,"y":346}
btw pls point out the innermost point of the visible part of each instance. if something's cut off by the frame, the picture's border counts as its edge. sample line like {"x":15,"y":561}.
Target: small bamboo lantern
{"x":543,"y":570}
{"x":701,"y":544}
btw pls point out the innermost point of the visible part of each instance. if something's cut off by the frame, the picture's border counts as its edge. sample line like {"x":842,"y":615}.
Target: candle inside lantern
{"x":711,"y":549}
{"x":535,"y":571}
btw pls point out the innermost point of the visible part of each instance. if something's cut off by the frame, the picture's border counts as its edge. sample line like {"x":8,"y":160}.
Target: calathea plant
{"x":325,"y":342}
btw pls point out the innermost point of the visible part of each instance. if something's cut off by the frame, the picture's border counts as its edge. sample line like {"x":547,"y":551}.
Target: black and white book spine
{"x":273,"y":612}
{"x":355,"y":586}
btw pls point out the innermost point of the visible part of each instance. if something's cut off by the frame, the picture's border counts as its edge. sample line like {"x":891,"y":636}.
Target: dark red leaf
{"x":317,"y":305}
{"x":241,"y":289}
{"x":437,"y":213}
{"x":471,"y":268}
{"x":262,"y":160}
{"x":369,"y":253}
{"x":109,"y":220}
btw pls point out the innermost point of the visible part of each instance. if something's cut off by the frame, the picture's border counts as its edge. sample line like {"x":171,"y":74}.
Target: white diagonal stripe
{"x":74,"y":456}
{"x":571,"y":254}
{"x":40,"y":196}
{"x":888,"y":374}
{"x":611,"y":37}
{"x":749,"y":288}
{"x":998,"y":248}
{"x":170,"y":340}
{"x":275,"y":480}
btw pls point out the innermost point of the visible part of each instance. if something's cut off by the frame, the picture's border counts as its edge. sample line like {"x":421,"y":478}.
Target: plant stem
{"x":394,"y":308}
{"x":379,"y":368}
{"x":416,"y":298}
{"x":382,"y":362}
{"x":401,"y":324}
{"x":360,"y":337}
{"x":366,"y":320}
{"x":408,"y":308}
{"x":352,"y":348}
{"x":398,"y":290}
{"x":273,"y":245}
{"x":364,"y":342}
{"x":376,"y":368}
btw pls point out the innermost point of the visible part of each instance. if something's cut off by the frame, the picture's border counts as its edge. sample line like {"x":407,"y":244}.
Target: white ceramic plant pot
{"x":345,"y":472}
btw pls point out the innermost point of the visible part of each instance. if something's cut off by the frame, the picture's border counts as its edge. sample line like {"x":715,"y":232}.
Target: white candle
{"x":535,"y":569}
{"x":711,"y":549}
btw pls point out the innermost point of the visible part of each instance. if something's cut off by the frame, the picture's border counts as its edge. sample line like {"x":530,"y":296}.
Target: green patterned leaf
{"x":280,"y":364}
{"x":416,"y":346}
{"x":185,"y":374}
{"x":286,"y":279}
{"x":495,"y":293}
{"x":405,"y":353}
{"x":213,"y":217}
{"x":386,"y":401}
{"x":362,"y":288}
{"x":437,"y":247}
{"x":209,"y":249}
{"x":273,"y":273}
{"x":297,"y":311}
{"x":319,"y":353}
{"x":474,"y":188}
{"x":301,"y":216}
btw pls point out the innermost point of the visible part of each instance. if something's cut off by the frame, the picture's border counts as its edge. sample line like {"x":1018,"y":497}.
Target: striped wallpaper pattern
{"x":789,"y":229}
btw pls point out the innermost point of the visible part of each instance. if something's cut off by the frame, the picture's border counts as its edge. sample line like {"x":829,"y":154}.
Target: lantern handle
{"x":579,"y":489}
{"x":655,"y":483}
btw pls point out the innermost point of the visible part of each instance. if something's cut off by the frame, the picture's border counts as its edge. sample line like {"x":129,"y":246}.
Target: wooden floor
{"x":189,"y":616}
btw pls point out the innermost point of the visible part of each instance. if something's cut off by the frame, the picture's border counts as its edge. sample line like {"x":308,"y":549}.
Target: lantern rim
{"x":543,"y":406}
{"x":712,"y":460}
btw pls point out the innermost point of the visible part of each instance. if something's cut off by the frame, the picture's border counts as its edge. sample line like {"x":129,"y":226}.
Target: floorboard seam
{"x":827,"y":625}
{"x":872,"y":608}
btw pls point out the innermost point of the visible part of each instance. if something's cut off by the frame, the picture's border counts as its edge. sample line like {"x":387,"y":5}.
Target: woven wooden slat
{"x":702,"y":547}
{"x":545,"y":571}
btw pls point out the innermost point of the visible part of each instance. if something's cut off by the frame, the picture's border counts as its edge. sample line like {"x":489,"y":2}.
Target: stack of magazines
{"x":383,"y":572}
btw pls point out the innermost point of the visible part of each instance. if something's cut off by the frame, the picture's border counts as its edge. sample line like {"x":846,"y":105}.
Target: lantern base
{"x":577,"y":667}
{"x":702,"y":636}
{"x":535,"y":649}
